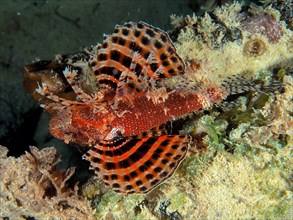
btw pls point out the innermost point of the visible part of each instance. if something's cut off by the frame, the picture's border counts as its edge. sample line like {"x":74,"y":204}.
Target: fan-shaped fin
{"x":138,"y":165}
{"x":139,"y":48}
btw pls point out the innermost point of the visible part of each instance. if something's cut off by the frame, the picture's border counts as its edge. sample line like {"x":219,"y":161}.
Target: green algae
{"x":214,"y":128}
{"x":119,"y":206}
{"x":194,"y":165}
{"x":281,"y":73}
{"x":91,"y":189}
{"x":180,"y":202}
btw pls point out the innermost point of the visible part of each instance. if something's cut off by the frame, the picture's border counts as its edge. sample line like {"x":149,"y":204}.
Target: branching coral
{"x":32,"y":186}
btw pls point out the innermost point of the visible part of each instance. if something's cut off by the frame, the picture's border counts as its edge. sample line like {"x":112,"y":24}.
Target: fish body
{"x":124,"y":120}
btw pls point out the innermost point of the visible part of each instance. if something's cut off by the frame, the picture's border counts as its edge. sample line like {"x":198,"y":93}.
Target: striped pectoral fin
{"x":139,"y":52}
{"x":138,"y":165}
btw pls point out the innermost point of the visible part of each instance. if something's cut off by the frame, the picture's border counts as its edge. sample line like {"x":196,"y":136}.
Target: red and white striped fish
{"x":124,"y":121}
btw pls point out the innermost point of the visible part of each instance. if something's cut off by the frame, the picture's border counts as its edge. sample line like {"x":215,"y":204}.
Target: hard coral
{"x":31,"y":185}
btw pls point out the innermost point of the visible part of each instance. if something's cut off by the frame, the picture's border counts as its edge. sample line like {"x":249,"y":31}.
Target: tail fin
{"x":239,"y":84}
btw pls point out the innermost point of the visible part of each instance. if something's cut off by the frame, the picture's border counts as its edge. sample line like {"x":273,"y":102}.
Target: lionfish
{"x":126,"y":119}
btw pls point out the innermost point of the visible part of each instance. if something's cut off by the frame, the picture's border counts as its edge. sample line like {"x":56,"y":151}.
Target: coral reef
{"x":240,"y":163}
{"x":245,"y":171}
{"x":32,"y":186}
{"x":257,"y":180}
{"x":220,"y":43}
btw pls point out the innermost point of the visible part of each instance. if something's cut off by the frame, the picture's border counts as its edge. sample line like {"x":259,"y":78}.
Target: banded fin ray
{"x":137,"y":52}
{"x":138,"y":165}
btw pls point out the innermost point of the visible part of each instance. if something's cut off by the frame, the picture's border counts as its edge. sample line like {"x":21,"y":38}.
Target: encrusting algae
{"x":239,"y":162}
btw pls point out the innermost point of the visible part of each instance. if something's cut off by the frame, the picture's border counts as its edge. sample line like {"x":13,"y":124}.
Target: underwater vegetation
{"x":32,"y":185}
{"x":239,"y":162}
